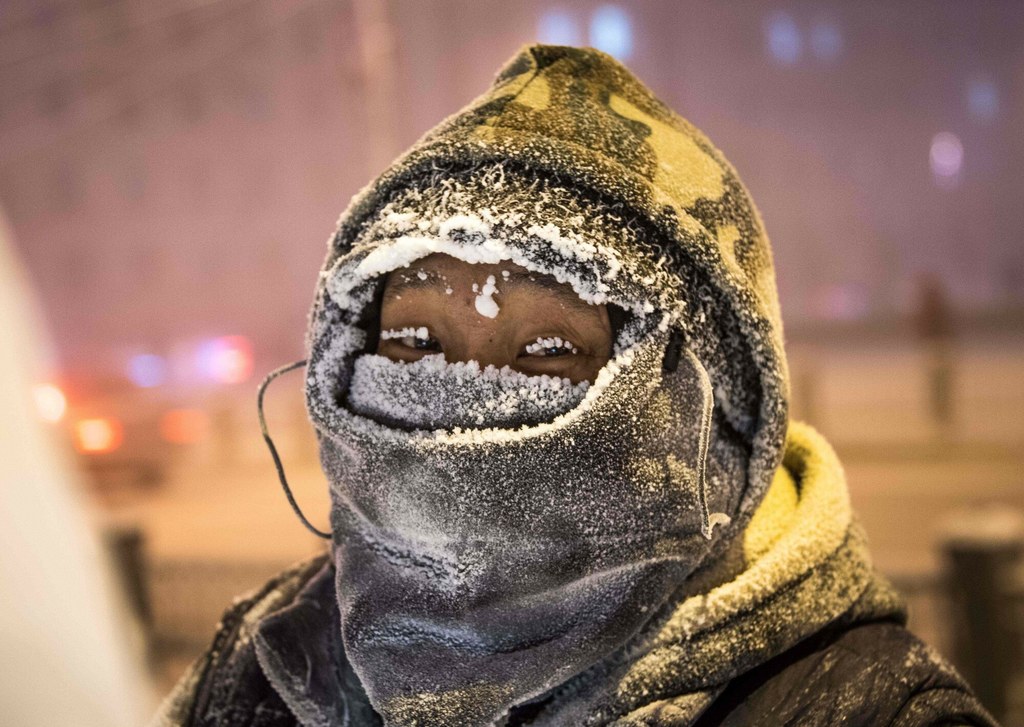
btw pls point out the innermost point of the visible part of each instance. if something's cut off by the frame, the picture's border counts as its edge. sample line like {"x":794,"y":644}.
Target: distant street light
{"x":98,"y":436}
{"x":50,"y":402}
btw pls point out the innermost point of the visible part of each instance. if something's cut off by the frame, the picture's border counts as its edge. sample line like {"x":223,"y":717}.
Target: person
{"x":547,"y":375}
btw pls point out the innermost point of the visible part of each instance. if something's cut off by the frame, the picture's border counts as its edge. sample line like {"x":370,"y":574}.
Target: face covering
{"x":487,"y":554}
{"x":431,"y":393}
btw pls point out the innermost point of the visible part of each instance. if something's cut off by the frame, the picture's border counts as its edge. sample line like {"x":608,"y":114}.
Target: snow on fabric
{"x":433,"y":394}
{"x":417,"y":224}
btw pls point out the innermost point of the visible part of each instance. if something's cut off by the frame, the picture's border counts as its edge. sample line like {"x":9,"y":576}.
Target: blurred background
{"x":170,"y":173}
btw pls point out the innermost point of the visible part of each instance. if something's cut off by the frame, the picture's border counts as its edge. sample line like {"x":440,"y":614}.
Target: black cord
{"x":673,"y":350}
{"x":273,"y":450}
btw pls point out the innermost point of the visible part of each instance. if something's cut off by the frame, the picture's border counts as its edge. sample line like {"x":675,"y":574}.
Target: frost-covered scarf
{"x":496,"y":534}
{"x":432,"y":393}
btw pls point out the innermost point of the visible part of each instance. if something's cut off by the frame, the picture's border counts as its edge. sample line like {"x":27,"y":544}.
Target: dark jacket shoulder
{"x":226,"y":685}
{"x":874,"y":673}
{"x":864,"y":673}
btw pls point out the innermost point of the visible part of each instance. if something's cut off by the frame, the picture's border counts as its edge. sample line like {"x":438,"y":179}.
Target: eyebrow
{"x":411,"y":280}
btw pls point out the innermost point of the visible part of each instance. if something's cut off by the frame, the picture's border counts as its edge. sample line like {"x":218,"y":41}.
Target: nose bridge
{"x":481,"y":344}
{"x":479,"y":338}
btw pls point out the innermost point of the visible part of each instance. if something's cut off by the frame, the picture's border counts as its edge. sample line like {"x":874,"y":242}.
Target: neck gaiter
{"x":432,"y":393}
{"x":495,"y":534}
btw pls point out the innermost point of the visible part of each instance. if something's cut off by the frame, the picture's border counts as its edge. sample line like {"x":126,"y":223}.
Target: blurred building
{"x":174,"y":169}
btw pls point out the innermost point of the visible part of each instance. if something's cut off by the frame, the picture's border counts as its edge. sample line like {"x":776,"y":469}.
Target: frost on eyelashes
{"x":553,"y":342}
{"x":419,"y":333}
{"x":432,"y":393}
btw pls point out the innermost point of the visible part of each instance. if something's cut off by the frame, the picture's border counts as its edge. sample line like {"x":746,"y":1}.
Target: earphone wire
{"x":273,"y":450}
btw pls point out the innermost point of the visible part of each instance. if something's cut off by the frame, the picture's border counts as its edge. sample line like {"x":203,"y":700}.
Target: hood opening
{"x":369,"y":321}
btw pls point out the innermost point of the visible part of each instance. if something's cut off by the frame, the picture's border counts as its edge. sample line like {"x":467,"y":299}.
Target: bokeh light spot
{"x":98,"y":436}
{"x":946,"y":156}
{"x":826,"y":40}
{"x":147,"y":370}
{"x":50,"y":402}
{"x":227,"y":360}
{"x":783,"y":38}
{"x":982,"y":99}
{"x":558,"y":27}
{"x":612,"y":31}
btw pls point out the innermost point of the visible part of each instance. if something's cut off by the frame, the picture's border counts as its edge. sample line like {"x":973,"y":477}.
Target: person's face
{"x":500,"y":314}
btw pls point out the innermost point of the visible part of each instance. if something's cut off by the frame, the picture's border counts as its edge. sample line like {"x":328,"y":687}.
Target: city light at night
{"x":783,"y":38}
{"x":147,"y":370}
{"x":227,"y":360}
{"x":826,"y":40}
{"x":982,"y":99}
{"x":946,"y":157}
{"x":558,"y":27}
{"x":50,"y":402}
{"x":98,"y":436}
{"x":611,"y":31}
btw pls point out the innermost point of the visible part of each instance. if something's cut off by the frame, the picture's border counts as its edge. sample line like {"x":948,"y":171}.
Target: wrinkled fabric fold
{"x":812,"y":570}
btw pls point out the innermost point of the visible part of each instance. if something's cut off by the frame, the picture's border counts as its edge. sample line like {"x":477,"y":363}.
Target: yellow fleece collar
{"x":773,"y":517}
{"x":802,"y":528}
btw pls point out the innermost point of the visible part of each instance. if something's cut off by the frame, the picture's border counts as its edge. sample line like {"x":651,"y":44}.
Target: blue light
{"x":783,"y":38}
{"x":826,"y":40}
{"x":611,"y":31}
{"x":558,"y":27}
{"x":147,"y":370}
{"x":982,"y":99}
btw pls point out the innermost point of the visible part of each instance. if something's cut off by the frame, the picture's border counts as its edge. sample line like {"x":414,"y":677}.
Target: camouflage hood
{"x":639,"y":177}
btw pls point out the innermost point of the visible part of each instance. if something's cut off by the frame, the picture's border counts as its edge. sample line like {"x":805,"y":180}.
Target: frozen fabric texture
{"x":433,"y":394}
{"x":808,"y":636}
{"x":478,"y":568}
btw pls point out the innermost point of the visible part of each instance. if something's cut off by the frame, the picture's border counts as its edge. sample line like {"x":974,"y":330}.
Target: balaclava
{"x":496,"y":534}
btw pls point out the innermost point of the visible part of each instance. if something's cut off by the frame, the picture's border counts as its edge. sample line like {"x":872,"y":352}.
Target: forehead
{"x":438,"y":272}
{"x":454,"y":267}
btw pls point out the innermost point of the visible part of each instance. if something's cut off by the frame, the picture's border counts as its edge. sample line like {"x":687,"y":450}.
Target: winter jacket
{"x":807,"y":634}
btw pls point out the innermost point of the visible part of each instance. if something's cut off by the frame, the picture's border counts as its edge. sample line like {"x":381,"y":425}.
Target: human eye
{"x":551,"y":346}
{"x":418,"y":339}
